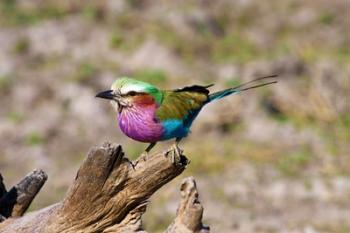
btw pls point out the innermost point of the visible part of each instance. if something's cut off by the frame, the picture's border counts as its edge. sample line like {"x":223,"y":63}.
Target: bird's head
{"x":125,"y":92}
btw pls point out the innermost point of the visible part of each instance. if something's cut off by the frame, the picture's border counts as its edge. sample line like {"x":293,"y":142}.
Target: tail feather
{"x":258,"y":82}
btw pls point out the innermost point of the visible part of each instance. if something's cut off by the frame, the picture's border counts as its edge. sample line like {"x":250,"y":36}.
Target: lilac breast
{"x":138,"y":123}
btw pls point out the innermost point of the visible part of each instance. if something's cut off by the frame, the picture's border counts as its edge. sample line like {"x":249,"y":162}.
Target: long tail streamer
{"x":258,"y":82}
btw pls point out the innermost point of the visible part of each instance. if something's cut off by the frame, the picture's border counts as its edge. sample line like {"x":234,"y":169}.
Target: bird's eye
{"x":132,"y":93}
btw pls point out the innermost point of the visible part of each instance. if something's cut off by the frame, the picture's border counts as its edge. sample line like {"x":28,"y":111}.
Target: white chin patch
{"x":114,"y":104}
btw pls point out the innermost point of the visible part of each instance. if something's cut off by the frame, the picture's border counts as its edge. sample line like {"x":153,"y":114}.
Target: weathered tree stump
{"x":109,"y":194}
{"x":190,"y":211}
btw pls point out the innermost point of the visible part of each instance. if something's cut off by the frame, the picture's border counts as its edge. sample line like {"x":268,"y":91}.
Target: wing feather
{"x":181,"y":103}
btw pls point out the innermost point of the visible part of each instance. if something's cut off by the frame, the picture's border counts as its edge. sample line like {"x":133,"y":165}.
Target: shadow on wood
{"x":109,"y":194}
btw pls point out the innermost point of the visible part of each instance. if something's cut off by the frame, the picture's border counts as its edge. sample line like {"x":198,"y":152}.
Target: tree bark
{"x":109,"y":194}
{"x":189,"y":214}
{"x":17,"y":200}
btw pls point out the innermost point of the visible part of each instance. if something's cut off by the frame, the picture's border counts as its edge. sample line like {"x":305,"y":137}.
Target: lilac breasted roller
{"x":148,"y":114}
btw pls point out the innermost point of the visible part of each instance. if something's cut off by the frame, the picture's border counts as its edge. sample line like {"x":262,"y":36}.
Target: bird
{"x":148,"y":114}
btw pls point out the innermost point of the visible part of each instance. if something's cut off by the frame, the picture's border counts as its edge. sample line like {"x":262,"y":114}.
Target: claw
{"x":144,"y":155}
{"x":175,"y":153}
{"x":133,"y":164}
{"x":177,"y":150}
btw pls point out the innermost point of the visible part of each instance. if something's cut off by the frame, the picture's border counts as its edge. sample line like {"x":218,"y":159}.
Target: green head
{"x":125,"y":91}
{"x":126,"y":85}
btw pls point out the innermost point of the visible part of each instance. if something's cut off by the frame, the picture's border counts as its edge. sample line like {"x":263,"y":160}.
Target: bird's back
{"x":179,"y":108}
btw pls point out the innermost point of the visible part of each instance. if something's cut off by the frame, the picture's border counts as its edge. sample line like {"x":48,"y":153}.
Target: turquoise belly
{"x":174,"y":129}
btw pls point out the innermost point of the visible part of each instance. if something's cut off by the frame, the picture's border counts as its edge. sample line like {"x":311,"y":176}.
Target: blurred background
{"x":274,"y":159}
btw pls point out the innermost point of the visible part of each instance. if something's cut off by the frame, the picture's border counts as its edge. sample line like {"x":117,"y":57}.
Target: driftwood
{"x":109,"y":194}
{"x":17,"y":200}
{"x":190,"y":212}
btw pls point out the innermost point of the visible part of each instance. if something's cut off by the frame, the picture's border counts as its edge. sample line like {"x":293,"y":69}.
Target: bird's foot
{"x":144,"y":156}
{"x":174,"y":152}
{"x":133,"y":164}
{"x":178,"y":151}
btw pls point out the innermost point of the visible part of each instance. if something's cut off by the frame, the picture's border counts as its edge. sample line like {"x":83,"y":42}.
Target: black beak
{"x":106,"y":95}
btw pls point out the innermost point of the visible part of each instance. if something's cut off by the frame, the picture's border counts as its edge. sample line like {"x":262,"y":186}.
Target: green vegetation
{"x":151,"y":75}
{"x":15,"y":117}
{"x":92,"y":12}
{"x":291,"y":164}
{"x":341,"y":228}
{"x":12,"y":15}
{"x":34,"y":139}
{"x":21,"y":46}
{"x":346,"y":120}
{"x":84,"y":72}
{"x":327,"y":18}
{"x":234,"y":48}
{"x":134,"y":3}
{"x":184,"y":47}
{"x":116,"y":40}
{"x":125,"y":42}
{"x":156,"y":222}
{"x":5,"y":82}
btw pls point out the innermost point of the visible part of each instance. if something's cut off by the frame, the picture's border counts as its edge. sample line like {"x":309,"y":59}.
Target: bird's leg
{"x":176,"y":151}
{"x":148,"y":149}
